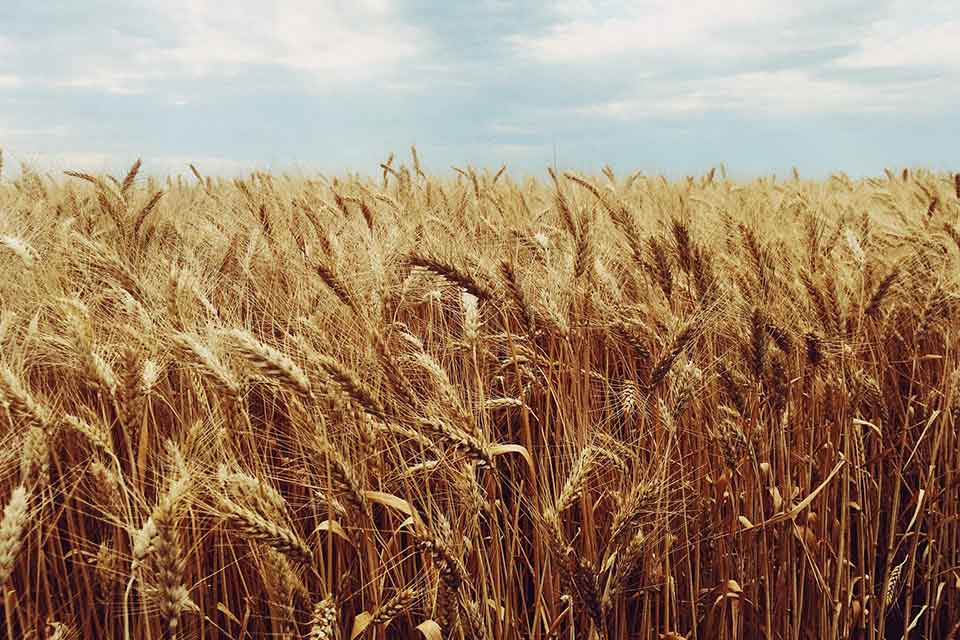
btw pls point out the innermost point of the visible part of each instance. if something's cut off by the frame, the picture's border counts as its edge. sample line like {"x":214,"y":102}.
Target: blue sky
{"x":671,"y":87}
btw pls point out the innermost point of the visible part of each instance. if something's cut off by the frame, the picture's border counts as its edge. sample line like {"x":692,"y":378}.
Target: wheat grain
{"x":323,"y":620}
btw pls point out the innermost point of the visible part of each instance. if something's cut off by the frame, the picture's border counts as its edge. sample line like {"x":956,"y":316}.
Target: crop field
{"x":479,"y":406}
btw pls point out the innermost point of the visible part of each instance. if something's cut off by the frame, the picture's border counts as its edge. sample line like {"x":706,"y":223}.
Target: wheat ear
{"x":11,"y":531}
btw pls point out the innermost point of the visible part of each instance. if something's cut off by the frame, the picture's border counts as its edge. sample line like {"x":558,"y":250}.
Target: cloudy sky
{"x":672,"y":87}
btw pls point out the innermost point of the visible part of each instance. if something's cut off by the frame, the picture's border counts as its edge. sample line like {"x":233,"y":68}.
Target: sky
{"x":334,"y":86}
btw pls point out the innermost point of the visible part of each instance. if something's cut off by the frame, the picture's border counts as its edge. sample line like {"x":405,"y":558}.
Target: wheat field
{"x":400,"y":406}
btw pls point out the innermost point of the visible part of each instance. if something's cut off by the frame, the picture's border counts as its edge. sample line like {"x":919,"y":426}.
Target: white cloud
{"x":658,"y":28}
{"x":796,"y":91}
{"x":757,"y":56}
{"x":90,"y":161}
{"x":889,"y":34}
{"x":110,"y":80}
{"x":404,"y":87}
{"x":13,"y":133}
{"x":653,"y":106}
{"x":788,"y":92}
{"x":932,"y":45}
{"x":208,"y":165}
{"x":105,"y":162}
{"x":509,"y":128}
{"x":329,"y":41}
{"x":575,"y":8}
{"x":299,"y":34}
{"x":507,"y":149}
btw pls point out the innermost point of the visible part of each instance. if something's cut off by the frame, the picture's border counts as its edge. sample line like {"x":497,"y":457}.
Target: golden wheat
{"x":479,"y":406}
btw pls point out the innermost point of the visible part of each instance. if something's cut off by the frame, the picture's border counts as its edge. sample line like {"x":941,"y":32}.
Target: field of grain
{"x":398,"y":406}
